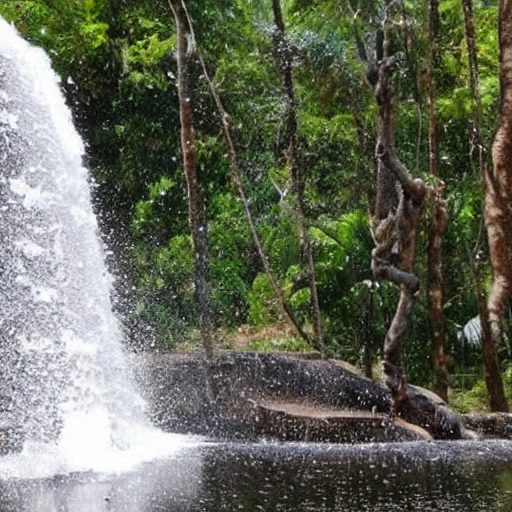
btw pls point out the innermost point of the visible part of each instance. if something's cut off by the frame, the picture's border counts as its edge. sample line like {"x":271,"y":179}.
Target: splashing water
{"x":64,"y":380}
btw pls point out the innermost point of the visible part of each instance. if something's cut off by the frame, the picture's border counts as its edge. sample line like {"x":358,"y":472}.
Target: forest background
{"x":117,"y":60}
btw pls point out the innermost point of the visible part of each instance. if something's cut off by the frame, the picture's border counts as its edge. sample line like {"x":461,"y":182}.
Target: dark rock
{"x":248,"y":385}
{"x":497,"y":424}
{"x":427,"y":410}
{"x":289,"y":421}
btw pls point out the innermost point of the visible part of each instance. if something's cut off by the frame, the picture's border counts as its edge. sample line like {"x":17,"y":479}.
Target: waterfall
{"x":65,"y":384}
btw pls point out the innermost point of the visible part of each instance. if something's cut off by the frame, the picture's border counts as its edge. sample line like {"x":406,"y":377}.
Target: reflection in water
{"x":288,"y":478}
{"x":413,"y":476}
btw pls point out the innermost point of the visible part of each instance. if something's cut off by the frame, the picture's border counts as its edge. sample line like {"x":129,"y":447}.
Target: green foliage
{"x":165,"y":289}
{"x":283,"y":344}
{"x":474,"y":400}
{"x":263,"y":305}
{"x":141,"y":60}
{"x":144,"y":210}
{"x":342,"y":253}
{"x":232,"y":260}
{"x":334,"y":183}
{"x":281,"y":244}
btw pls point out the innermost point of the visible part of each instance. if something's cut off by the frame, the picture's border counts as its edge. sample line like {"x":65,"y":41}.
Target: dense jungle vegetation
{"x":117,"y":60}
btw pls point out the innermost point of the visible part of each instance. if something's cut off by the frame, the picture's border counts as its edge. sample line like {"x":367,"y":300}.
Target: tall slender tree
{"x":439,"y":217}
{"x":236,"y":175}
{"x":292,"y":157}
{"x":498,"y":190}
{"x":498,"y":220}
{"x":196,"y":199}
{"x":395,"y":223}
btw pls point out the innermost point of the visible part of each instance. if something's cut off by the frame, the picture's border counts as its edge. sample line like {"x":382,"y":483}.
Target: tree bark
{"x":498,"y":191}
{"x":196,"y":200}
{"x":285,"y":59}
{"x":497,"y":199}
{"x":394,"y":224}
{"x":367,"y":337}
{"x":439,"y":220}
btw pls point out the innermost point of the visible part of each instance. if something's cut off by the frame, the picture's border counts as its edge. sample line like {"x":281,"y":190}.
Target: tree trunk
{"x":196,"y":200}
{"x":367,"y":336}
{"x":435,"y":296}
{"x":438,"y":221}
{"x":497,"y":199}
{"x":394,"y":223}
{"x":498,"y":191}
{"x":236,"y":176}
{"x":291,"y":153}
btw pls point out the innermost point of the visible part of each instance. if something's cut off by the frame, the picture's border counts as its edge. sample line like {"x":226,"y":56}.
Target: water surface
{"x":436,"y":476}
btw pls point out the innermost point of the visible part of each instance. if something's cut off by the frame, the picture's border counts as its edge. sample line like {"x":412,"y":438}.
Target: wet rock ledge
{"x":496,"y":425}
{"x":268,"y":395}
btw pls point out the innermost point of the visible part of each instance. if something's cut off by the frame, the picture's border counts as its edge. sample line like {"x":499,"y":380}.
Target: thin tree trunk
{"x":438,"y":222}
{"x":394,"y":224}
{"x":285,"y":60}
{"x":196,"y":203}
{"x":367,"y":336}
{"x":497,"y":200}
{"x":236,"y":176}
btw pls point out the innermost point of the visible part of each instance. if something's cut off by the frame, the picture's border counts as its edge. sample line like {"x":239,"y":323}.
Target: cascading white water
{"x":64,"y":378}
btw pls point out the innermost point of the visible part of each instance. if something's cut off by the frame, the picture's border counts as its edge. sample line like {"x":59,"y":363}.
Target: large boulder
{"x":427,"y":410}
{"x":247,"y":395}
{"x":491,"y":425}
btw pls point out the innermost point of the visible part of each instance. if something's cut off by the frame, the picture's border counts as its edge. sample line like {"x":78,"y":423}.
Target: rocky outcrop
{"x":303,"y":421}
{"x":249,"y":395}
{"x":427,"y":410}
{"x":490,"y":425}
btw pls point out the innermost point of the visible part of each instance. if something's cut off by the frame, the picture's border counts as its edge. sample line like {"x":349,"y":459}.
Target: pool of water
{"x":435,"y":476}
